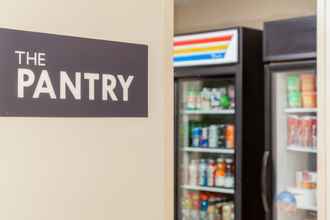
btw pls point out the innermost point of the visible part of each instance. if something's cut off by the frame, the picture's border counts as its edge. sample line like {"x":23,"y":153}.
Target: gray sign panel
{"x":46,"y":75}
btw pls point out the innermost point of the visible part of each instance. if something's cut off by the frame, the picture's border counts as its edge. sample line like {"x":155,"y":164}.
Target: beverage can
{"x":204,"y":137}
{"x":211,"y":173}
{"x":294,"y":99}
{"x":213,"y":136}
{"x":293,"y":83}
{"x":309,"y":99}
{"x":230,"y":136}
{"x":308,"y":82}
{"x":202,"y":173}
{"x":196,"y":136}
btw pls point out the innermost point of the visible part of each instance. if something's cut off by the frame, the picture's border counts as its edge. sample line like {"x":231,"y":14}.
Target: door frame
{"x":323,"y":66}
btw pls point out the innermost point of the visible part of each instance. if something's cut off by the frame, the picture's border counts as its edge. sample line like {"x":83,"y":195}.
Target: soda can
{"x":213,"y":136}
{"x":204,"y":137}
{"x":196,"y":136}
{"x":230,"y":136}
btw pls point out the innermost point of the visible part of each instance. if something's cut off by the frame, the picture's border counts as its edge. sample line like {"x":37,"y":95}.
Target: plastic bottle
{"x":211,"y":168}
{"x":206,"y":99}
{"x":230,"y":179}
{"x":191,"y":99}
{"x":215,"y":98}
{"x":186,"y":206}
{"x":196,"y":206}
{"x":202,"y":173}
{"x":220,"y":173}
{"x":204,"y":204}
{"x":213,"y":136}
{"x":193,"y":173}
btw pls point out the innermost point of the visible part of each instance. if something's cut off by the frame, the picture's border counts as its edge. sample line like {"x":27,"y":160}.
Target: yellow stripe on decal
{"x":200,"y":50}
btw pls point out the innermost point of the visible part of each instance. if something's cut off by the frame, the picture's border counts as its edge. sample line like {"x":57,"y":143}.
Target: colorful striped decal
{"x":201,"y":41}
{"x":199,"y":57}
{"x":200,"y":49}
{"x":205,"y":48}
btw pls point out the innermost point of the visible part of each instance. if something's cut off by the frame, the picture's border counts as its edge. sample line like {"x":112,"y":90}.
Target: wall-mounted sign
{"x":59,"y":76}
{"x":211,"y":48}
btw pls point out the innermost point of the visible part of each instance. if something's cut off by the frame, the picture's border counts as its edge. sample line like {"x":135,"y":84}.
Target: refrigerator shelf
{"x":209,"y":150}
{"x":210,"y":112}
{"x":209,"y":189}
{"x":306,"y":208}
{"x":301,"y":110}
{"x":302,"y":149}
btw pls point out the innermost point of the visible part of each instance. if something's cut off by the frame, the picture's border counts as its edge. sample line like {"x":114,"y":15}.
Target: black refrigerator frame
{"x":301,"y":56}
{"x":249,"y":120}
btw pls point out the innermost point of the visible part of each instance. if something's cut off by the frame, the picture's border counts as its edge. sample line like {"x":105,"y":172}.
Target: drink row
{"x":302,"y":91}
{"x":302,"y":131}
{"x":206,"y":206}
{"x":208,"y":173}
{"x":208,"y":99}
{"x":214,"y":136}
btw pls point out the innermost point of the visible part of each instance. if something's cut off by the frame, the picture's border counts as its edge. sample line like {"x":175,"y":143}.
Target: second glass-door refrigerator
{"x":219,"y":118}
{"x":290,"y":158}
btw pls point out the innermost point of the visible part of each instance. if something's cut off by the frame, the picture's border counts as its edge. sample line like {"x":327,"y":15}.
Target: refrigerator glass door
{"x":206,"y":149}
{"x":294,"y":116}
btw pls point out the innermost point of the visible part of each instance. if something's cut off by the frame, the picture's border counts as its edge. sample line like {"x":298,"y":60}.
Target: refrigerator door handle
{"x":264,"y":180}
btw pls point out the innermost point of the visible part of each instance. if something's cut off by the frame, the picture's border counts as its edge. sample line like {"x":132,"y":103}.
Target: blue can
{"x":196,"y":136}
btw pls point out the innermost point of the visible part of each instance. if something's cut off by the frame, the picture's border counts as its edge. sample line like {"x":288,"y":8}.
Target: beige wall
{"x":84,"y":168}
{"x":196,"y":15}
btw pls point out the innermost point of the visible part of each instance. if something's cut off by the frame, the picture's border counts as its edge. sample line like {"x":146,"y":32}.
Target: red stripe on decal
{"x":203,"y":40}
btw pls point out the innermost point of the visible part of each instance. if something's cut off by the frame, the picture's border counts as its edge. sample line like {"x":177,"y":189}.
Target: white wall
{"x":196,"y":15}
{"x":87,"y":168}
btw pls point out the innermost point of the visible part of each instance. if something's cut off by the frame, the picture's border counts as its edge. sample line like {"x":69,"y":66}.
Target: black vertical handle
{"x":264,"y":180}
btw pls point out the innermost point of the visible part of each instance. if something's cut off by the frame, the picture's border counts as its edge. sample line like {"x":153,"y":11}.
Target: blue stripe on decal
{"x":200,"y":57}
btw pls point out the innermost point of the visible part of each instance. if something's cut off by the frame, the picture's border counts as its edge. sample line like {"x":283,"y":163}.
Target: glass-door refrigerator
{"x":290,"y":158}
{"x":219,"y":125}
